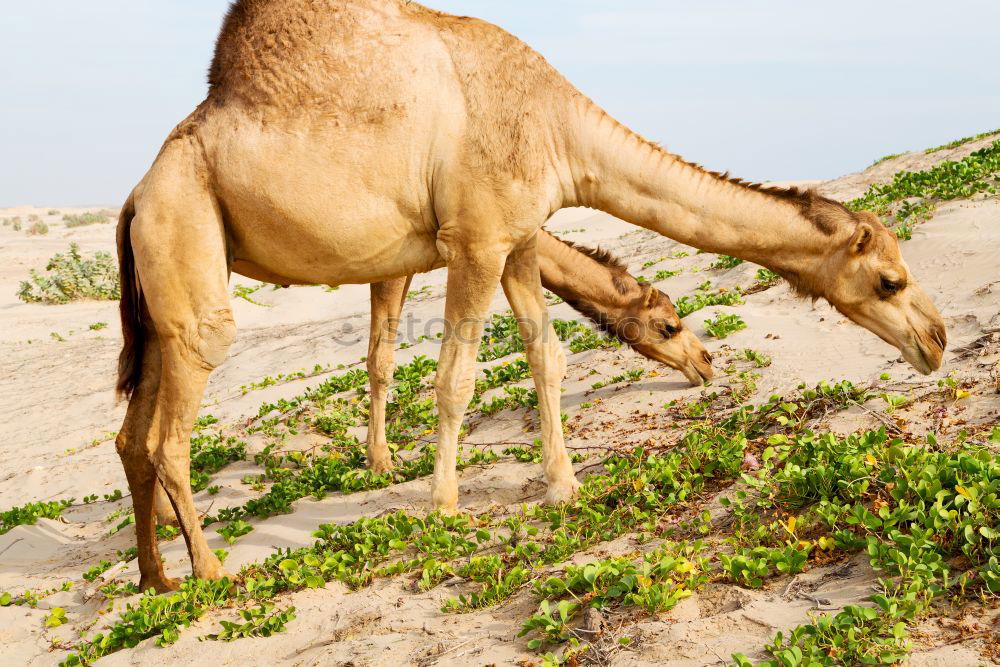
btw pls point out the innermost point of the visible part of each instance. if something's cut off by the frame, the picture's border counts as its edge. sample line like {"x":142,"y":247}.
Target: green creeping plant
{"x":259,"y":621}
{"x":723,"y":325}
{"x":726,"y":262}
{"x":702,"y":298}
{"x":911,"y":196}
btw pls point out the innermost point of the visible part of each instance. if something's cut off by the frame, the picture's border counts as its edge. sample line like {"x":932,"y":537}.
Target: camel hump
{"x":344,"y":56}
{"x":375,"y":62}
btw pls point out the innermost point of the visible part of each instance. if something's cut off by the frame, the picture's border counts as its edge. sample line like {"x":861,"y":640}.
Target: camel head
{"x":652,"y":328}
{"x":867,"y":280}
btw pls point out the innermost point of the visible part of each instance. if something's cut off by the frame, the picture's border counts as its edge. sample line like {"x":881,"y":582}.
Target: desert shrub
{"x":38,"y":228}
{"x":71,"y":276}
{"x":15,"y":223}
{"x":85,"y":219}
{"x":33,"y":217}
{"x":53,"y":211}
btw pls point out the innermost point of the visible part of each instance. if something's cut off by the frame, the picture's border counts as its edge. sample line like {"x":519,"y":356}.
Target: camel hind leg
{"x":386,"y":305}
{"x":180,"y":257}
{"x":131,"y":446}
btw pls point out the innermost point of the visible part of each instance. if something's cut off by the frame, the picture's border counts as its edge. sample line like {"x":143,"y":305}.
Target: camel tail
{"x":130,"y":306}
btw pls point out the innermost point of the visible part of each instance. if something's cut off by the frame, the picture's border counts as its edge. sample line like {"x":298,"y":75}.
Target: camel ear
{"x":649,"y":300}
{"x":862,"y":238}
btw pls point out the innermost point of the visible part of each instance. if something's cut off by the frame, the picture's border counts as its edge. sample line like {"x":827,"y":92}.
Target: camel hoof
{"x":444,"y":497}
{"x":381,"y":467}
{"x":562,"y":492}
{"x":159,"y":583}
{"x":446,"y":504}
{"x":215,"y":574}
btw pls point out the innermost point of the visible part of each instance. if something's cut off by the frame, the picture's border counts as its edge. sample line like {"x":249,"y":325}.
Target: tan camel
{"x":593,"y":282}
{"x":358,"y":141}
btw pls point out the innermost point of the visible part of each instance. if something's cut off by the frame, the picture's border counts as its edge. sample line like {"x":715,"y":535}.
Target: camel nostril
{"x":940,"y":336}
{"x":707,"y":357}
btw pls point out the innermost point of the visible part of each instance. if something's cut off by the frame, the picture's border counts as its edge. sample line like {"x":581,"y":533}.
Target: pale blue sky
{"x":767,"y":89}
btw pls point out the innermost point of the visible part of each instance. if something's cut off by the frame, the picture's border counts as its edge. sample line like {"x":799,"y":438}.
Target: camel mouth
{"x":925,"y":349}
{"x":916,"y":358}
{"x":924,"y":359}
{"x":696,"y":366}
{"x":921,"y":344}
{"x":697,"y":374}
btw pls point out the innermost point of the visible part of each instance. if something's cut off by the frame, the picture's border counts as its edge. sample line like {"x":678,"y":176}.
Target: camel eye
{"x":669,"y":331}
{"x":890,"y":287}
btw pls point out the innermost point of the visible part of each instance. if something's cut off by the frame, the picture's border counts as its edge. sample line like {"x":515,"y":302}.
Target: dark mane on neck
{"x":600,"y":255}
{"x":824,"y":213}
{"x":620,"y":276}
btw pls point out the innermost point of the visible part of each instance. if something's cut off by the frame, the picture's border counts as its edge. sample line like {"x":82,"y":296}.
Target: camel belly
{"x":287,"y":251}
{"x":324,"y":206}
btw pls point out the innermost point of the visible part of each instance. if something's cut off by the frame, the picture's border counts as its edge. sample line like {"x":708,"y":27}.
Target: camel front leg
{"x":386,"y":305}
{"x":547,"y":360}
{"x":472,"y":282}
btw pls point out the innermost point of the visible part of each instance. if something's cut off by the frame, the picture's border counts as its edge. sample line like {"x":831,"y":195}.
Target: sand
{"x":56,"y":441}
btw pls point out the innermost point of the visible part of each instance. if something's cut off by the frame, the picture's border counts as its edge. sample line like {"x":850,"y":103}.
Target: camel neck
{"x":617,"y":171}
{"x":581,"y":280}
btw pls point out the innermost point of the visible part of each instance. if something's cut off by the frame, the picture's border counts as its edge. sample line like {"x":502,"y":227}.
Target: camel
{"x":593,"y":282}
{"x":358,"y":141}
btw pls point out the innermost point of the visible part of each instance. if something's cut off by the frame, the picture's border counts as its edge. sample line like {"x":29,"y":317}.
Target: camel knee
{"x":216,"y":332}
{"x":133,"y":454}
{"x":560,"y":363}
{"x":453,"y":396}
{"x":380,"y":369}
{"x":121,"y":444}
{"x":548,"y":361}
